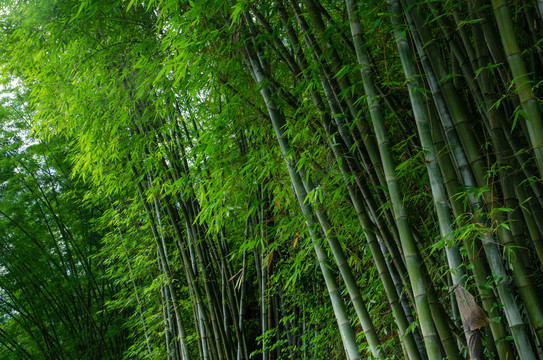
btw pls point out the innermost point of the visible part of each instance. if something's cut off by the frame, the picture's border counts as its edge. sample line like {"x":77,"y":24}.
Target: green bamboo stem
{"x":511,"y":308}
{"x":242,"y":346}
{"x":438,"y":191}
{"x":505,"y":144}
{"x":368,"y":139}
{"x":220,"y":346}
{"x":172,"y":348}
{"x":400,"y":318}
{"x":133,"y":282}
{"x":263,"y":274}
{"x":223,"y":344}
{"x":400,"y":285}
{"x":493,"y":43}
{"x":531,"y":212}
{"x":364,"y":151}
{"x":346,"y":273}
{"x":189,"y":207}
{"x":465,"y":57}
{"x":436,"y":180}
{"x":521,"y":79}
{"x":408,"y":244}
{"x":359,"y":162}
{"x":512,"y":313}
{"x":533,"y":26}
{"x":529,"y":172}
{"x":334,"y":86}
{"x":187,"y":259}
{"x":446,"y":24}
{"x":523,"y":279}
{"x":288,"y":327}
{"x":352,"y":287}
{"x":407,"y":339}
{"x":513,"y":238}
{"x":389,"y":287}
{"x":392,"y":296}
{"x":327,"y":126}
{"x":451,"y":101}
{"x":497,"y":338}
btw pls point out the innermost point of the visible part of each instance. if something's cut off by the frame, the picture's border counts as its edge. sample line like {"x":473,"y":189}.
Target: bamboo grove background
{"x":271,"y":179}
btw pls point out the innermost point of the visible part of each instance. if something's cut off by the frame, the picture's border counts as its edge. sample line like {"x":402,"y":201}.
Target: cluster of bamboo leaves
{"x":301,"y":179}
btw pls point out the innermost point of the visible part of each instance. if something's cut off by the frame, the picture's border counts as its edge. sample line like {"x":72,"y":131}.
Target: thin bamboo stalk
{"x":133,"y":281}
{"x":347,"y":333}
{"x":162,"y":255}
{"x":354,"y":292}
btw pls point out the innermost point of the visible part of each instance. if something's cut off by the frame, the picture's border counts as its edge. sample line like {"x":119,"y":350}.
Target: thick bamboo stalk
{"x":512,"y":238}
{"x":359,"y":160}
{"x":336,"y":247}
{"x":345,"y":86}
{"x":364,"y":148}
{"x":408,"y":245}
{"x":385,"y":276}
{"x":346,"y":273}
{"x":456,"y":107}
{"x":521,"y":79}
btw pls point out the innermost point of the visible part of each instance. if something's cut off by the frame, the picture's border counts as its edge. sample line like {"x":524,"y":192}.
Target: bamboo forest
{"x":271,"y":179}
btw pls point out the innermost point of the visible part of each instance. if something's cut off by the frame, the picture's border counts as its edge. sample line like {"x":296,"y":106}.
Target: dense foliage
{"x":53,"y":289}
{"x":272,"y":179}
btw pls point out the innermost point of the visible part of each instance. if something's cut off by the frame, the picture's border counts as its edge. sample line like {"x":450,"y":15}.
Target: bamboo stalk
{"x":407,"y":241}
{"x":436,"y":181}
{"x":521,"y":79}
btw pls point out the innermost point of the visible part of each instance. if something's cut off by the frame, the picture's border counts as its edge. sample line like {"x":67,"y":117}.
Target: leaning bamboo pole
{"x":457,"y":108}
{"x":162,"y":255}
{"x":406,"y":238}
{"x":512,"y":239}
{"x":511,"y":308}
{"x":497,"y":335}
{"x":360,"y":161}
{"x":408,"y":340}
{"x":436,"y":180}
{"x":521,"y":79}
